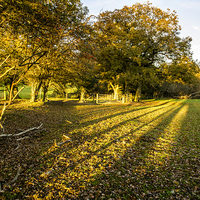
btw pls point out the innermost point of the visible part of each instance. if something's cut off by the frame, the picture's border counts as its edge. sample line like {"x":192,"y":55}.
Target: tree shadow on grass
{"x":184,"y":165}
{"x":125,"y":176}
{"x":88,"y":137}
{"x":130,"y":177}
{"x":145,"y":137}
{"x":101,"y":152}
{"x":135,"y":109}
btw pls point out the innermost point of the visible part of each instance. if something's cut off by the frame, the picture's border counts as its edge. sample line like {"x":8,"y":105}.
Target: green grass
{"x":26,"y":93}
{"x":148,"y":150}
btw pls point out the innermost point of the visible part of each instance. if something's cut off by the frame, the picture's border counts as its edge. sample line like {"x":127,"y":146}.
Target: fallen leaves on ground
{"x":148,"y":150}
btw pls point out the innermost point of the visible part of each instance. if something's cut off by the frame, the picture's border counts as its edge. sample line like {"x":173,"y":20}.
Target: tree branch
{"x":12,"y":181}
{"x":61,"y":143}
{"x":21,"y":133}
{"x":3,"y":110}
{"x":18,"y":93}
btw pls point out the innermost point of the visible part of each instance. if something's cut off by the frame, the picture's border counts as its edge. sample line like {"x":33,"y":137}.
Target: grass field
{"x":25,"y":93}
{"x":147,"y":150}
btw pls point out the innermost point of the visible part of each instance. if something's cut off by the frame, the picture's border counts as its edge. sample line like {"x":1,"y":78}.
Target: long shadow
{"x":100,"y":108}
{"x":104,"y":147}
{"x":89,"y":138}
{"x":102,"y":151}
{"x":185,"y":160}
{"x":98,"y":134}
{"x":122,"y":113}
{"x":137,"y":184}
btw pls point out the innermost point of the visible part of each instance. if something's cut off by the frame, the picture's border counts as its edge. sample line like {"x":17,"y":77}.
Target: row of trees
{"x":55,"y":43}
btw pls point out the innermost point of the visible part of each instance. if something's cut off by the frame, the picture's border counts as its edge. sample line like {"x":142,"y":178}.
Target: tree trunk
{"x":45,"y":90}
{"x":15,"y":91}
{"x":11,"y":89}
{"x":35,"y":88}
{"x":127,"y":92}
{"x":138,"y":92}
{"x":33,"y":91}
{"x":115,"y":90}
{"x":82,"y":97}
{"x":7,"y":92}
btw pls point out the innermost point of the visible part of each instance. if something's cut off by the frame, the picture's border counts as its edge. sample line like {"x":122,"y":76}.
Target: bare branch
{"x":6,"y":60}
{"x":6,"y":70}
{"x":22,"y":138}
{"x":2,"y":112}
{"x":40,"y":54}
{"x":18,"y":93}
{"x":21,"y":133}
{"x":30,"y":65}
{"x":61,"y":143}
{"x":12,"y":181}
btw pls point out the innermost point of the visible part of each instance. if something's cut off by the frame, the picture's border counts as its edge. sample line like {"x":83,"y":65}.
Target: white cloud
{"x":197,"y":28}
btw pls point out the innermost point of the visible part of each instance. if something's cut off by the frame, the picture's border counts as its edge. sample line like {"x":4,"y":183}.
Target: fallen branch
{"x":67,"y":139}
{"x":12,"y":181}
{"x":16,"y":147}
{"x":22,"y":138}
{"x":61,"y":143}
{"x":21,"y":133}
{"x":46,"y":173}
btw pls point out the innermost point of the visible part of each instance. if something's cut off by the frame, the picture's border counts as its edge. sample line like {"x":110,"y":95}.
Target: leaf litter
{"x":125,"y":151}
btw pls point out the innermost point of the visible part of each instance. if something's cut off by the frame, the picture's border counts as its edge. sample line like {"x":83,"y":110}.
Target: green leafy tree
{"x":136,"y":39}
{"x":40,"y":26}
{"x":182,"y":70}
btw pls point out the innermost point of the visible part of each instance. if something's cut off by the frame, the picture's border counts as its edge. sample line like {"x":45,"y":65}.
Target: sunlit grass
{"x":120,"y":150}
{"x":163,"y":146}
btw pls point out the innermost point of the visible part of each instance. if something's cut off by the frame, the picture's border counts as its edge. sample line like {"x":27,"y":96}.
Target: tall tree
{"x":137,"y":39}
{"x":31,"y":22}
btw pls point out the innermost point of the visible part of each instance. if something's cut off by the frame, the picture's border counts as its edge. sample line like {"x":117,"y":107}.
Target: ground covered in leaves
{"x":148,"y":150}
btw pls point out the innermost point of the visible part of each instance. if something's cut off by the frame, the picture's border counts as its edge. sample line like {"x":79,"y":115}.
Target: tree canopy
{"x":134,"y":41}
{"x":56,"y":42}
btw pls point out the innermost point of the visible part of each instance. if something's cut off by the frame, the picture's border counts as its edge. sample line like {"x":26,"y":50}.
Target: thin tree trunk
{"x":127,"y":91}
{"x":33,"y":89}
{"x":45,"y":90}
{"x":16,"y":91}
{"x":138,"y":92}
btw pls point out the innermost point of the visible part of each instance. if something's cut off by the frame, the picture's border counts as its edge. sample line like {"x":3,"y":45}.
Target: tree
{"x":137,"y":39}
{"x":182,"y":70}
{"x":84,"y":64}
{"x":32,"y":22}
